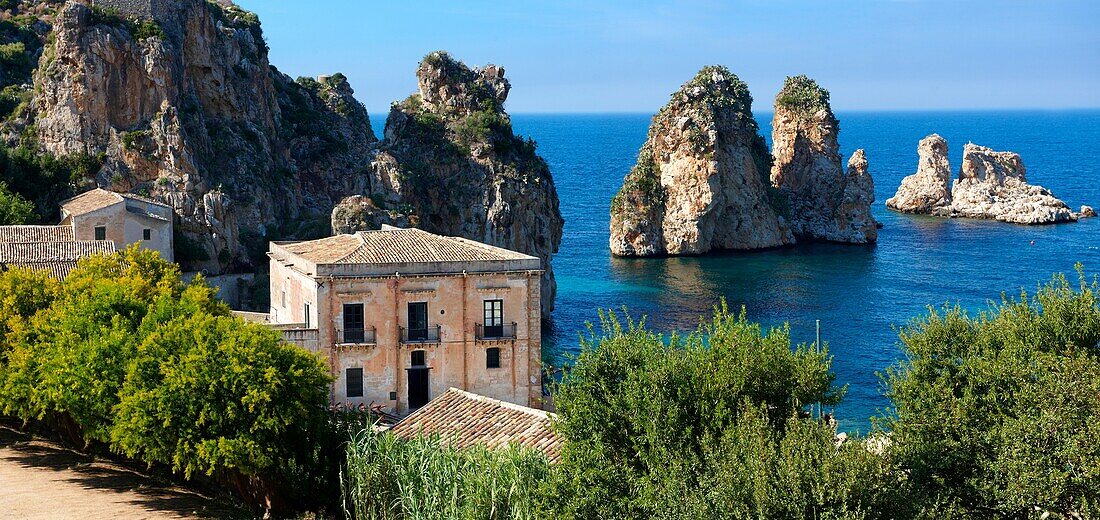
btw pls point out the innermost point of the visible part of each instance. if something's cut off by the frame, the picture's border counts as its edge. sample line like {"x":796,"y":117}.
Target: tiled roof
{"x":36,"y":234}
{"x":90,"y":201}
{"x":100,"y":198}
{"x":58,"y":257}
{"x":397,"y":246}
{"x":465,"y":419}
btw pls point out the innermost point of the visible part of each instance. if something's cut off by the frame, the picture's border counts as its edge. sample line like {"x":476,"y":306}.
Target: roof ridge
{"x":504,"y":404}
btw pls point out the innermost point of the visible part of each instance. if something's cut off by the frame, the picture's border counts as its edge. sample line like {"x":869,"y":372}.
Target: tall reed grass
{"x":424,"y":478}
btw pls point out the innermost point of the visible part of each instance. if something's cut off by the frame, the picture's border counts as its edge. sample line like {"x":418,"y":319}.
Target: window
{"x":353,"y":323}
{"x":305,"y":319}
{"x":354,"y":380}
{"x":101,"y":233}
{"x":492,"y":357}
{"x":284,"y":298}
{"x":418,"y":358}
{"x":147,"y":234}
{"x":494,"y":318}
{"x":418,"y":321}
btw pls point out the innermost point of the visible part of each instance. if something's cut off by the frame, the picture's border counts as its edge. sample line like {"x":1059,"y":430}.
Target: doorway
{"x":419,"y":385}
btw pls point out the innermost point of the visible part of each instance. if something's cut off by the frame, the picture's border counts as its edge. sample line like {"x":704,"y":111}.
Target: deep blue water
{"x":860,"y":293}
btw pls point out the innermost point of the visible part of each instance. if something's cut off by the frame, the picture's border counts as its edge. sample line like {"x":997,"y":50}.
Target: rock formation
{"x":825,"y":203}
{"x":451,"y":164}
{"x":1086,"y":212}
{"x":928,"y":191}
{"x":185,"y":107}
{"x":701,"y":182}
{"x":991,"y":185}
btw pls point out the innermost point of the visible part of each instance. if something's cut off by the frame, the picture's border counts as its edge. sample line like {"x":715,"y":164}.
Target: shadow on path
{"x":158,"y":497}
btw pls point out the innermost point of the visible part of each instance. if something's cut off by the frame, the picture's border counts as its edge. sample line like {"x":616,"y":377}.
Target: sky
{"x":567,"y":56}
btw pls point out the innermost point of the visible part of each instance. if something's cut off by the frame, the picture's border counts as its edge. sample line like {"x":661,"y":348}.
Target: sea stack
{"x":450,"y":164}
{"x":927,"y":192}
{"x":991,"y":185}
{"x":825,"y":203}
{"x":701,"y":179}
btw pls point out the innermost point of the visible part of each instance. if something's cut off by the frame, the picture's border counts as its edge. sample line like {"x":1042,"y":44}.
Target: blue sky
{"x":592,"y":56}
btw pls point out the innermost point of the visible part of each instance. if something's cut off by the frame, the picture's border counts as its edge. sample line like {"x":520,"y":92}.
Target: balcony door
{"x":353,"y":323}
{"x":419,"y":381}
{"x":418,"y":321}
{"x":494,"y":318}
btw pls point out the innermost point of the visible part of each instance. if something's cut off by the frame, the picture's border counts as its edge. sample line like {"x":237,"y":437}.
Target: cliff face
{"x":991,"y":185}
{"x":186,"y":108}
{"x":451,"y":164}
{"x":929,"y":190}
{"x":808,"y":172}
{"x":701,"y":179}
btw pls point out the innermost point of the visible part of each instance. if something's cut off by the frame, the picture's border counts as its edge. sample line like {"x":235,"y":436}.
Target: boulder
{"x":993,"y":185}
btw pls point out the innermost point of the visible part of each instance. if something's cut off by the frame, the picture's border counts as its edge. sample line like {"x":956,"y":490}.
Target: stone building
{"x":401,"y":315}
{"x":122,"y":218}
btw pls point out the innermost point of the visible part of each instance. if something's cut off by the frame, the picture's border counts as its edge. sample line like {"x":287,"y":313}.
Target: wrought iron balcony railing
{"x":505,"y":331}
{"x":427,"y":335}
{"x":362,"y":336}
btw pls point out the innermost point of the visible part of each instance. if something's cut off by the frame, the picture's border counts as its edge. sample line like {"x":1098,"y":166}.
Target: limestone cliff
{"x":450,"y":163}
{"x":808,"y":172}
{"x":701,"y":180}
{"x":183,"y":106}
{"x":991,"y":185}
{"x":928,"y":191}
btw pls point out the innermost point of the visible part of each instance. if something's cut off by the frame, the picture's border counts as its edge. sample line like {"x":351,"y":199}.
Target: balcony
{"x":491,"y":332}
{"x":416,"y":336}
{"x":357,"y":336}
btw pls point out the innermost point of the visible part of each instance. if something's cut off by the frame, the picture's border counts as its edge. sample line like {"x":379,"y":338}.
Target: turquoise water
{"x":860,"y":293}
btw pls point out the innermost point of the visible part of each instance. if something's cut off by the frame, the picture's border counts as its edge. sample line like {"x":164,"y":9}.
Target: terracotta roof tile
{"x":58,"y":257}
{"x":397,"y":246}
{"x":466,"y":419}
{"x":10,"y":234}
{"x":90,"y":201}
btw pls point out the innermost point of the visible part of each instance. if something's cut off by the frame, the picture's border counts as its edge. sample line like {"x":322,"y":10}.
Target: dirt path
{"x":40,"y":480}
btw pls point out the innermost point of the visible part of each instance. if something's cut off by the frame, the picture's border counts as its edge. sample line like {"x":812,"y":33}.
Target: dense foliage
{"x":998,"y":415}
{"x":14,"y":209}
{"x":424,"y":478}
{"x":712,"y":425}
{"x":122,"y":353}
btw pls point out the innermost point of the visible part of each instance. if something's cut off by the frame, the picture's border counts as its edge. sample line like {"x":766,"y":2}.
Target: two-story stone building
{"x":402,"y":315}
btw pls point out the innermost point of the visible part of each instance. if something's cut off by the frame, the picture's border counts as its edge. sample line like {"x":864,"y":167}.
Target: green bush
{"x":997,"y":415}
{"x":711,"y":425}
{"x":124,"y":354}
{"x":14,"y":209}
{"x":423,"y":478}
{"x":43,"y":178}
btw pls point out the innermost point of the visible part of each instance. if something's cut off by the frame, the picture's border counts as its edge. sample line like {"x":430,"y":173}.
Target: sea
{"x":860,"y":294}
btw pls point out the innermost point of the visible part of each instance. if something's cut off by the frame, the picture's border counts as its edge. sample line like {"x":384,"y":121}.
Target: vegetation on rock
{"x":802,"y":96}
{"x":14,"y":209}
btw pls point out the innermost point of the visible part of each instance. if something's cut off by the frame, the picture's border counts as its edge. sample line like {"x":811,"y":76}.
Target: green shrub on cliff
{"x":14,"y":209}
{"x":997,"y":415}
{"x":802,"y":95}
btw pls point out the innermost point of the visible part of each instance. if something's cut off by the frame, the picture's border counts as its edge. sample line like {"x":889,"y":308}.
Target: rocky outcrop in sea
{"x":705,"y":181}
{"x":928,"y":191}
{"x":825,"y":203}
{"x":450,"y":163}
{"x":990,"y":185}
{"x":701,"y":182}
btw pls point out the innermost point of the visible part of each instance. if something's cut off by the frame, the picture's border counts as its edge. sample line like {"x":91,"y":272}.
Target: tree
{"x":14,"y":209}
{"x":710,"y":425}
{"x":998,"y":415}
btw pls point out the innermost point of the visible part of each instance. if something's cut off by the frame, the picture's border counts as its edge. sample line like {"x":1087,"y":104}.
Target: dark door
{"x":418,"y":321}
{"x":494,"y":318}
{"x":353,"y":323}
{"x":419,"y":391}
